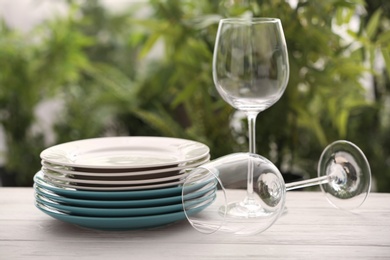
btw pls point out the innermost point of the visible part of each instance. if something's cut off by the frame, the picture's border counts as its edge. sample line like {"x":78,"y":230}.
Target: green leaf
{"x":161,"y":121}
{"x":185,"y":94}
{"x":342,"y":122}
{"x":386,"y":57}
{"x":373,"y":24}
{"x":151,"y":41}
{"x":384,"y":38}
{"x":205,"y":21}
{"x":311,"y":122}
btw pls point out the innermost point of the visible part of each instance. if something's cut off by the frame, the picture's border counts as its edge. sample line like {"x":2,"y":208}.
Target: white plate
{"x":66,"y":171}
{"x":125,"y":152}
{"x":124,"y":182}
{"x":91,"y":187}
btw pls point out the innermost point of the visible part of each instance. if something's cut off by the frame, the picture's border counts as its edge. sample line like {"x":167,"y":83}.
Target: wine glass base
{"x":244,"y":210}
{"x":349,"y":175}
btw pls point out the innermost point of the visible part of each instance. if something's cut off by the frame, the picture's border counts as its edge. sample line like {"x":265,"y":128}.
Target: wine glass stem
{"x":252,"y":149}
{"x":307,"y":183}
{"x":252,"y":130}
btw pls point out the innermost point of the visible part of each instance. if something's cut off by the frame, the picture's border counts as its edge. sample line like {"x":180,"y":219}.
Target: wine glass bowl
{"x":250,"y":63}
{"x":233,"y":209}
{"x":245,"y":206}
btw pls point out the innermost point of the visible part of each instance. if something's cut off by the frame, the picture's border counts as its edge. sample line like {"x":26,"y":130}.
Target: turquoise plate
{"x":117,"y":212}
{"x":118,"y":223}
{"x":107,"y":203}
{"x":108,"y":212}
{"x":120,"y":203}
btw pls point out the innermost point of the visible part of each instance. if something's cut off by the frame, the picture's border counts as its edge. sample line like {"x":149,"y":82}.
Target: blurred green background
{"x":145,"y":69}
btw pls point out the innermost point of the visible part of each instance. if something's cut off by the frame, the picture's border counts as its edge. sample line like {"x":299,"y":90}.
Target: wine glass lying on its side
{"x":343,"y":173}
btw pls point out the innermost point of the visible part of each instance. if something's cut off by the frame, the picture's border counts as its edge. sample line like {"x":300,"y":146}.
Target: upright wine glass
{"x":343,"y":173}
{"x":250,"y":71}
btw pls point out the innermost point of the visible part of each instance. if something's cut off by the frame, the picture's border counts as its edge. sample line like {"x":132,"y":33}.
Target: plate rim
{"x":124,"y":174}
{"x":120,"y":223}
{"x":171,"y":178}
{"x":121,"y":203}
{"x":152,"y":193}
{"x":112,"y":212}
{"x":119,"y":188}
{"x":107,"y":204}
{"x":114,"y":223}
{"x":57,"y":154}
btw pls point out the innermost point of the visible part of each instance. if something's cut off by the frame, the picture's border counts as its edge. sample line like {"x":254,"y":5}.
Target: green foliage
{"x":128,"y":74}
{"x":33,"y":68}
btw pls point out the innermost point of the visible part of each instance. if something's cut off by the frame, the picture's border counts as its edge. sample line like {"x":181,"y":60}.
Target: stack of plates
{"x":118,"y":183}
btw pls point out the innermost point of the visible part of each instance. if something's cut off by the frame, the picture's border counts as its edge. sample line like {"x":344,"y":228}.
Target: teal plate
{"x":108,"y":212}
{"x":107,"y":203}
{"x":118,"y":223}
{"x":107,"y":195}
{"x":120,"y":203}
{"x":118,"y":212}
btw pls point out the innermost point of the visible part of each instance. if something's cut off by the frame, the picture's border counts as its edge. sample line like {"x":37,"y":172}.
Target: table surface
{"x":312,"y":229}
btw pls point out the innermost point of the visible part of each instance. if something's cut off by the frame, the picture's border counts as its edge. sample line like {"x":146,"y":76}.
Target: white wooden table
{"x":311,"y":229}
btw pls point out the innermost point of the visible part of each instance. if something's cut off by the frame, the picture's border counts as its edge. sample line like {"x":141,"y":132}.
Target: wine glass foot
{"x":349,"y":175}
